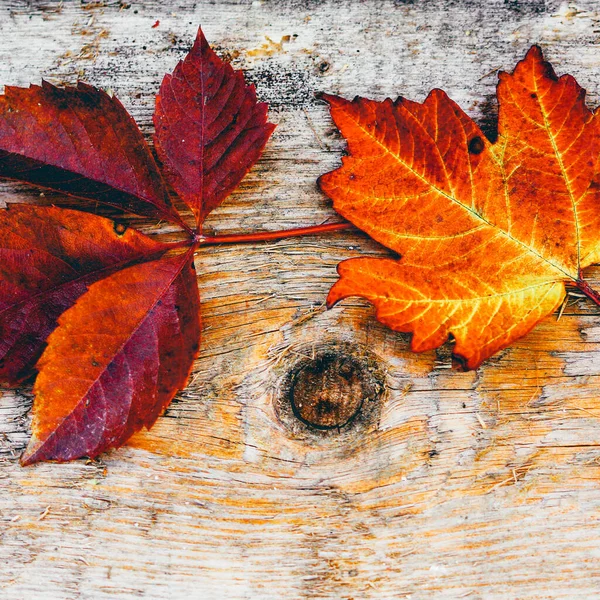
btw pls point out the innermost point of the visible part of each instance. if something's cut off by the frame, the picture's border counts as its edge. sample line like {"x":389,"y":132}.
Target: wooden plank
{"x":478,"y":485}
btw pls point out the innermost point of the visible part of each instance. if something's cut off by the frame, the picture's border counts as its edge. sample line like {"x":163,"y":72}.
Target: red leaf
{"x":82,"y":142}
{"x":116,"y":360}
{"x":113,"y":314}
{"x":48,"y":257}
{"x":209,"y":128}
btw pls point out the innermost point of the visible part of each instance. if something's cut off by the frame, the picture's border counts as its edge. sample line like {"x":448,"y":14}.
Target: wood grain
{"x":478,"y":485}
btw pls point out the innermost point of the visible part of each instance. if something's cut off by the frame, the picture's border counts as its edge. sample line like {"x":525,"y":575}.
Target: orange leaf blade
{"x":407,"y":182}
{"x":488,"y":233}
{"x":116,"y":360}
{"x":410,"y":300}
{"x":550,"y":146}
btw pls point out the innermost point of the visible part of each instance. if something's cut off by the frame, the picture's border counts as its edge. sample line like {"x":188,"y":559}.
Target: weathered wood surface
{"x":479,"y":485}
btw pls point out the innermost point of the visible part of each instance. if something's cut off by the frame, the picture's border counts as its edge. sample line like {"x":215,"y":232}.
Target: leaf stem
{"x":590,"y":292}
{"x":181,"y":244}
{"x":246,"y":238}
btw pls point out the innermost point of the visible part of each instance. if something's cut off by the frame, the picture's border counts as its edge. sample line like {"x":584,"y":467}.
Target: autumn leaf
{"x":49,"y":256}
{"x":91,"y":397}
{"x":488,"y":233}
{"x":106,"y":316}
{"x":209,"y":128}
{"x":82,"y":142}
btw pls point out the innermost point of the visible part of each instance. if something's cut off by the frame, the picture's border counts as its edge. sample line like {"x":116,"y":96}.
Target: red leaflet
{"x":82,"y":142}
{"x":97,"y":385}
{"x":209,"y":128}
{"x":127,"y":307}
{"x":48,"y":256}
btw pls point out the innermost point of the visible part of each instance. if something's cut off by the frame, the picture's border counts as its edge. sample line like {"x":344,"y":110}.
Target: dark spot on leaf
{"x":476,"y":145}
{"x":533,"y":95}
{"x":119,"y":228}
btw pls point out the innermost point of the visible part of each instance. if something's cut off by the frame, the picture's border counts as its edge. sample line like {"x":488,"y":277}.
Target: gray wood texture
{"x":458,"y":485}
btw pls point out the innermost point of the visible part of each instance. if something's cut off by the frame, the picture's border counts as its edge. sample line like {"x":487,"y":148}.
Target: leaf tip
{"x":535,"y":59}
{"x":26,"y":461}
{"x":535,"y":53}
{"x":436,"y":94}
{"x":331,"y":99}
{"x":30,"y":455}
{"x":201,"y":42}
{"x":332,"y":298}
{"x":320,"y":181}
{"x":339,"y":290}
{"x":269,"y":128}
{"x":323,"y":181}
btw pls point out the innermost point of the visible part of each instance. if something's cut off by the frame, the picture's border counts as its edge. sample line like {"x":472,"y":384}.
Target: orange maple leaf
{"x":489,"y":233}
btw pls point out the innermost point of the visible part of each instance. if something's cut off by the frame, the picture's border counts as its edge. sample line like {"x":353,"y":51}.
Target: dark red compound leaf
{"x":80,"y":141}
{"x":116,"y":360}
{"x":209,"y":128}
{"x":48,"y":257}
{"x":112,"y":315}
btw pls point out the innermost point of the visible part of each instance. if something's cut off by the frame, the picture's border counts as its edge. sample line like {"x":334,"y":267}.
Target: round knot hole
{"x":329,"y":391}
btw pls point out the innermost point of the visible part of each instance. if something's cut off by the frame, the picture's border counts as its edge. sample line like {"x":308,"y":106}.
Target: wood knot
{"x":335,"y":388}
{"x":328,"y":392}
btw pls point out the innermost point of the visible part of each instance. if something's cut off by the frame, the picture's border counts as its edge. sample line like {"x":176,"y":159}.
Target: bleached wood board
{"x":479,"y":485}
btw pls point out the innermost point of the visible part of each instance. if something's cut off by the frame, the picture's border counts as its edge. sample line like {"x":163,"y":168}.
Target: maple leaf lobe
{"x":488,"y":233}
